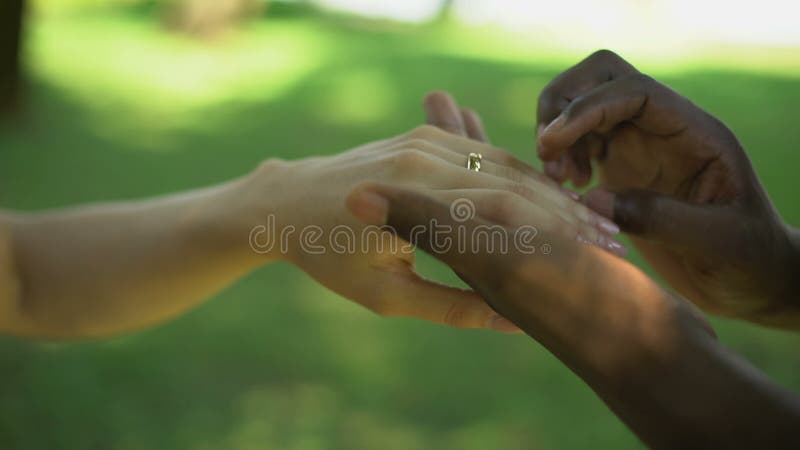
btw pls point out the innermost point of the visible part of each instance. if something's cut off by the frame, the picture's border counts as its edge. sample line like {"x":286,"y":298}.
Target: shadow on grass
{"x":277,"y":362}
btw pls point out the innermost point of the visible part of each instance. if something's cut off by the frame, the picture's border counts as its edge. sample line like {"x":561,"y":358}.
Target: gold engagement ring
{"x":474,"y":162}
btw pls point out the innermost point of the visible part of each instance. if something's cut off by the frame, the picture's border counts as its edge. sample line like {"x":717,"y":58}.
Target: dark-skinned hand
{"x":678,"y":181}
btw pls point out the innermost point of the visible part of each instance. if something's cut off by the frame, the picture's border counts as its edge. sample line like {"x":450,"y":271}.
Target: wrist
{"x":265,"y":204}
{"x":238,"y":216}
{"x":780,"y":286}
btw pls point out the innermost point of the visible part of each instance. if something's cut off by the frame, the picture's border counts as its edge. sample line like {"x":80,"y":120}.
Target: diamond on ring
{"x":474,"y":162}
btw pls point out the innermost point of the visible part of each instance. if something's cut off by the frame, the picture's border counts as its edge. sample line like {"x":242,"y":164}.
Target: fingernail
{"x":369,"y":207}
{"x":539,"y":130}
{"x":607,"y":225}
{"x":503,"y":325}
{"x":571,"y":194}
{"x":616,"y":248}
{"x":556,"y":124}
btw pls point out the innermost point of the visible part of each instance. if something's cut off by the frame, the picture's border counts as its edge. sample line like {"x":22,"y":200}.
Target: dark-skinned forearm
{"x":652,"y":360}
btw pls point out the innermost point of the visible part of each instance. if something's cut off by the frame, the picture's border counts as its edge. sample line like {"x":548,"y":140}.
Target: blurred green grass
{"x":117,"y":109}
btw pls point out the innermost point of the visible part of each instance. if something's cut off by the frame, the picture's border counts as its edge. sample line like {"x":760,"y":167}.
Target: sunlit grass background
{"x":117,"y":108}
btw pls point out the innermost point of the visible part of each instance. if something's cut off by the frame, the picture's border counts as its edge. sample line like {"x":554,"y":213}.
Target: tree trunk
{"x":209,"y":18}
{"x":11,"y":15}
{"x":445,"y":7}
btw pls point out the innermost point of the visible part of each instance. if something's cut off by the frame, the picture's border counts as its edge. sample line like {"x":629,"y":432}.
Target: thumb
{"x":407,"y":294}
{"x":665,"y":219}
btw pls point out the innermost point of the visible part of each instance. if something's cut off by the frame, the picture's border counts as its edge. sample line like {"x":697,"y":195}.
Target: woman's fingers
{"x":462,"y":145}
{"x":474,"y":125}
{"x":460,"y":160}
{"x":494,"y":176}
{"x":442,"y":112}
{"x":512,"y":210}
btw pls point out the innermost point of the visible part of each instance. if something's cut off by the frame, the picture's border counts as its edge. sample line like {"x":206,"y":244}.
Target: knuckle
{"x":614,"y":64}
{"x":417,"y":144}
{"x":383,"y":307}
{"x":268,"y":165}
{"x":425,"y":131}
{"x":604,"y":54}
{"x":641,"y":79}
{"x":409,"y":161}
{"x":547,"y":105}
{"x":456,"y":315}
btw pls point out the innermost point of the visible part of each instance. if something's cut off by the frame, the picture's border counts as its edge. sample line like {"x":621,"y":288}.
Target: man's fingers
{"x":473,"y":125}
{"x":410,"y":295}
{"x":598,"y":68}
{"x":442,"y":112}
{"x":582,"y":153}
{"x":599,"y":110}
{"x":553,"y":169}
{"x":661,"y":218}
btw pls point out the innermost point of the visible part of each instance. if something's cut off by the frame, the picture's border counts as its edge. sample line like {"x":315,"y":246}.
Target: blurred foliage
{"x":276,"y":7}
{"x":61,"y":6}
{"x":118,"y":109}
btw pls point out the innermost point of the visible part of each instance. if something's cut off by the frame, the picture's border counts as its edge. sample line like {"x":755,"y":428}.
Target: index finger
{"x":474,"y":125}
{"x":442,"y":112}
{"x":598,"y":68}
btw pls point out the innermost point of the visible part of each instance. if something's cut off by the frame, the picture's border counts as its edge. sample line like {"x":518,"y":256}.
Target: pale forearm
{"x":106,"y":269}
